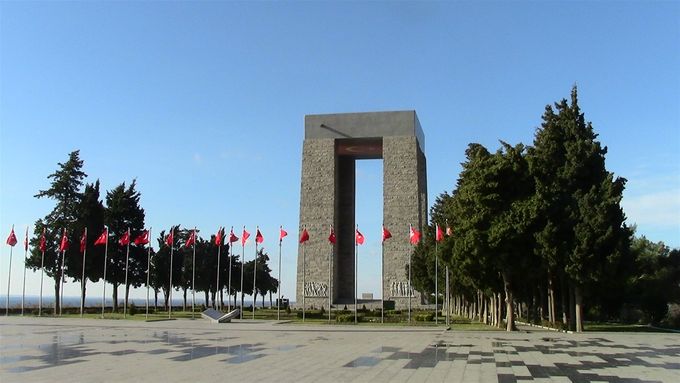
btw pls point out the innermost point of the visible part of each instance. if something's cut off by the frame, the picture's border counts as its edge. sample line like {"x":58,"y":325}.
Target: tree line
{"x":79,"y":206}
{"x":538,"y":231}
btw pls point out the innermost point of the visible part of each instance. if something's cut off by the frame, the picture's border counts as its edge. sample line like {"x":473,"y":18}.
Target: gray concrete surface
{"x":75,"y":350}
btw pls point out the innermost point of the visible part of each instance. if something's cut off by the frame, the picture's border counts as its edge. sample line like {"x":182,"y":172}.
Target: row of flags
{"x":143,"y":238}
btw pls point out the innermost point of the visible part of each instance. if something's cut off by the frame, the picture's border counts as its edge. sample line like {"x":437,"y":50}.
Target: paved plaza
{"x":75,"y":350}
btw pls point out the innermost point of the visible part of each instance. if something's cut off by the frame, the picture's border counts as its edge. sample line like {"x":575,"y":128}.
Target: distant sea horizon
{"x":32,"y":301}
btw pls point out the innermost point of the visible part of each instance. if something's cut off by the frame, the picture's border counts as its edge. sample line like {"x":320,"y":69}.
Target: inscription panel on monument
{"x":316,"y":289}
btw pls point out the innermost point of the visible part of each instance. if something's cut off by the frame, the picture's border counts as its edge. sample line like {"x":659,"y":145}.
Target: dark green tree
{"x":65,"y":191}
{"x":91,"y":216}
{"x":123,"y":212}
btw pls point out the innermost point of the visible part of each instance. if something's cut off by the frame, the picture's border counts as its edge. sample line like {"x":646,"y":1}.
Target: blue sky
{"x":203,"y":102}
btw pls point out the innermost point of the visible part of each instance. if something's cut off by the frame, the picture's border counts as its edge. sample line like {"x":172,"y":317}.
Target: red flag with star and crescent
{"x":282,"y":233}
{"x":26,"y":240}
{"x":142,"y":239}
{"x":331,"y":236}
{"x":192,"y":239}
{"x":413,"y":235}
{"x":103,"y":238}
{"x":304,"y":237}
{"x":244,"y":237}
{"x":386,"y":234}
{"x":232,"y":237}
{"x":171,"y":237}
{"x":218,"y":237}
{"x":43,"y":242}
{"x":440,"y":234}
{"x":359,"y":237}
{"x":63,"y":245}
{"x":125,"y":239}
{"x":258,"y":236}
{"x":12,"y":239}
{"x":83,"y":241}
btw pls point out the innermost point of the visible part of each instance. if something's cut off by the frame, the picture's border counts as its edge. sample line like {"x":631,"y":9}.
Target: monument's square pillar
{"x":333,"y":143}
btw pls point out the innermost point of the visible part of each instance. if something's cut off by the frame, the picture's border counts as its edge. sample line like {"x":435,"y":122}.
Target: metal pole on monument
{"x":127,"y":262}
{"x":331,"y":241}
{"x":106,"y":260}
{"x":11,"y":241}
{"x":358,"y":240}
{"x":193,"y":275}
{"x":218,"y":242}
{"x":258,"y":239}
{"x":43,"y":247}
{"x":148,"y":271}
{"x":83,"y":248}
{"x":385,"y":235}
{"x":282,"y":233}
{"x":303,"y":240}
{"x":63,"y":247}
{"x":23,"y":294}
{"x":170,"y":240}
{"x":436,"y":276}
{"x":244,"y":238}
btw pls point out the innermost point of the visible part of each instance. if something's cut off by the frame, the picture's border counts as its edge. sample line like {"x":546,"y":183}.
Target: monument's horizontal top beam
{"x":364,"y":125}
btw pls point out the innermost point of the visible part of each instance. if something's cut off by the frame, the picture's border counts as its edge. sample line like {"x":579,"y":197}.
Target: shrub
{"x":349,"y":317}
{"x":424,"y":317}
{"x":133,"y":308}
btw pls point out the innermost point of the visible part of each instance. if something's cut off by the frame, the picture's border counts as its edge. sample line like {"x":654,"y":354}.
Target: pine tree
{"x":65,"y":191}
{"x":122,"y":212}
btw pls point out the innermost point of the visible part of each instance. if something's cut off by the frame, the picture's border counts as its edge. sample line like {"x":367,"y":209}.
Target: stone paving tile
{"x":42,"y":349}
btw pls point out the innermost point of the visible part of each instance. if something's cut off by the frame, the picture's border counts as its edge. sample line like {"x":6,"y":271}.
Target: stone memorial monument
{"x":332,"y":145}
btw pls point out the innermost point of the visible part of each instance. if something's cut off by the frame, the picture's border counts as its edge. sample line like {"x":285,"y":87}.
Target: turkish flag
{"x":440,"y":234}
{"x":171,"y":237}
{"x":258,"y":236}
{"x":143,"y":238}
{"x":304,"y":237}
{"x":26,"y":240}
{"x":12,"y":239}
{"x":413,"y":235}
{"x":331,"y":236}
{"x":359,"y":237}
{"x":192,"y":239}
{"x":63,"y":246}
{"x":43,"y":242}
{"x":386,"y":234}
{"x":282,"y":233}
{"x":244,"y":237}
{"x":125,"y":239}
{"x":83,"y":241}
{"x":218,"y":237}
{"x":103,"y":238}
{"x":232,"y":237}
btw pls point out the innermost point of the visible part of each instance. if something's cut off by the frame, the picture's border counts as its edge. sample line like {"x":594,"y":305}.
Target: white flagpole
{"x":382,"y":277}
{"x":231,"y":255}
{"x":278,"y":302}
{"x":148,"y":270}
{"x":193,"y":278}
{"x":447,"y":300}
{"x":23,"y":294}
{"x":257,"y":230}
{"x":172,"y":253}
{"x":217,"y":283}
{"x":42,"y":272}
{"x":243,"y":256}
{"x":304,"y":275}
{"x":9,"y":276}
{"x":82,"y":279}
{"x":436,"y":280}
{"x":330,"y":288}
{"x":61,"y":289}
{"x":356,"y":250}
{"x":127,"y":259}
{"x":409,"y":277}
{"x":106,"y":260}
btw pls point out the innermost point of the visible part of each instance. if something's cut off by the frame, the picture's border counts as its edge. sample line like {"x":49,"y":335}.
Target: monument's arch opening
{"x":333,"y":143}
